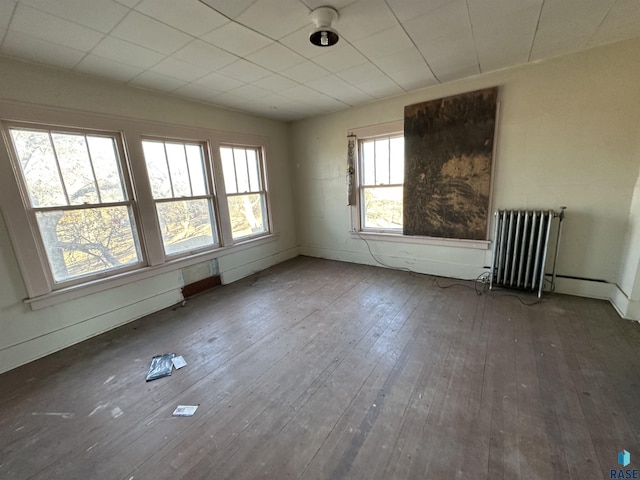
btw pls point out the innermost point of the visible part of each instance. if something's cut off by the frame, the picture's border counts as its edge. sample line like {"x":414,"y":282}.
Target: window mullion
{"x":59,"y":170}
{"x":93,"y":171}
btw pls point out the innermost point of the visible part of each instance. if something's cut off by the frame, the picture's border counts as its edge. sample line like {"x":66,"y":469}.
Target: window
{"x":181,"y":188}
{"x":79,"y":198}
{"x":245,"y":188}
{"x":106,"y":201}
{"x":381,"y":183}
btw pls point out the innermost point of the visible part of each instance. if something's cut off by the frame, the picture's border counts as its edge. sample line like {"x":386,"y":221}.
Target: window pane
{"x":186,"y":225}
{"x":382,"y":162}
{"x":228,"y":170}
{"x":105,"y":165}
{"x":254,"y":172}
{"x":157,"y":169}
{"x":368,"y":163}
{"x":88,"y":241}
{"x":73,"y":157}
{"x":248,"y":215}
{"x":195,"y":159}
{"x":178,"y":169}
{"x":242,"y":174}
{"x":383,"y":207}
{"x":39,"y":168}
{"x":397,"y":160}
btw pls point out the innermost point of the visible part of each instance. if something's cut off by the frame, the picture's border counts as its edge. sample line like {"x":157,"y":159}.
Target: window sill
{"x":441,"y":242}
{"x":96,"y":286}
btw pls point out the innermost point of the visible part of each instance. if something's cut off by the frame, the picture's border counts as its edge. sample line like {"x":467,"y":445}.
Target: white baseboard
{"x":582,"y":288}
{"x":237,"y":272}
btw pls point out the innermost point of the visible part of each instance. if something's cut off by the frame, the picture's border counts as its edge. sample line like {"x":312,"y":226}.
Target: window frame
{"x":385,"y":130}
{"x":362,"y":186}
{"x":31,"y":257}
{"x":262,"y":174}
{"x":211,"y":196}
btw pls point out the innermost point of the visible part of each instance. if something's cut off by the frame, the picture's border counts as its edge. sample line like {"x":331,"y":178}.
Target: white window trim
{"x":228,"y":234}
{"x":386,"y":130}
{"x":31,"y":256}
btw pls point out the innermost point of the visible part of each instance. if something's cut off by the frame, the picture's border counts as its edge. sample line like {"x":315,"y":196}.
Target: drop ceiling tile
{"x":275,"y":57}
{"x":101,"y":15}
{"x":305,"y":71}
{"x":157,"y":81}
{"x":193,"y":18}
{"x":340,"y":57}
{"x":302,"y":93}
{"x":381,"y":88}
{"x":384,"y":43}
{"x":361,"y":73}
{"x":408,"y":69}
{"x":408,"y":9}
{"x":19,"y":45}
{"x":204,"y":55}
{"x":337,"y":4}
{"x":128,"y":3}
{"x":229,"y":100}
{"x":364,"y":18}
{"x":623,"y":21}
{"x":172,"y":67}
{"x":218,"y":82}
{"x":275,"y":83}
{"x":244,"y":71}
{"x":275,"y":18}
{"x":147,"y":32}
{"x":487,"y":10}
{"x":193,"y":90}
{"x":506,"y":39}
{"x":250,"y":92}
{"x":38,"y":24}
{"x":236,"y":39}
{"x":452,"y":18}
{"x":229,"y":8}
{"x":127,"y":53}
{"x":105,"y":68}
{"x":335,"y":87}
{"x":6,"y":12}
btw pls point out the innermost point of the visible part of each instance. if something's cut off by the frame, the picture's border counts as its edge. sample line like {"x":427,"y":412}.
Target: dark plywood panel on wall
{"x":315,"y":369}
{"x":448,"y":165}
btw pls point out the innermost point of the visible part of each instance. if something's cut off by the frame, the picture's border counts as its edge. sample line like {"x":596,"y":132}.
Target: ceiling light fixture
{"x":324,"y":34}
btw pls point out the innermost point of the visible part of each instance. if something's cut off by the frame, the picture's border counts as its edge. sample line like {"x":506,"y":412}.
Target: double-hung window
{"x":381,"y":181}
{"x":79,"y":198}
{"x":244,"y":182}
{"x":182,"y":191}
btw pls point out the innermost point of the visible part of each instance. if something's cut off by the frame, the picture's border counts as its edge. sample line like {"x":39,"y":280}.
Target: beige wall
{"x":568,"y":135}
{"x":26,"y":334}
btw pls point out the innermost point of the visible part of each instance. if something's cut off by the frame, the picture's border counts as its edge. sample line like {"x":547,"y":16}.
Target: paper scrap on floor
{"x":185,"y":410}
{"x":178,"y":362}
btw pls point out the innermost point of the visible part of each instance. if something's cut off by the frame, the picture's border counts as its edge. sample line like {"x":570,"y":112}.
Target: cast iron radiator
{"x":521,"y":243}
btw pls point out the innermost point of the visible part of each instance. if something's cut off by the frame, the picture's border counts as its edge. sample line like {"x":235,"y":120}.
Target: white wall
{"x":25,"y":334}
{"x":568,"y":135}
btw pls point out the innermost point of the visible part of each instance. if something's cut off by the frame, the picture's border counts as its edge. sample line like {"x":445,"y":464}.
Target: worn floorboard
{"x":317,"y":369}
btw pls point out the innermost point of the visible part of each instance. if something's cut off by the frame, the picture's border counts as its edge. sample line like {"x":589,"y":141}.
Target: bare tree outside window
{"x":182,"y":192}
{"x":246,"y":193}
{"x":78,"y":196}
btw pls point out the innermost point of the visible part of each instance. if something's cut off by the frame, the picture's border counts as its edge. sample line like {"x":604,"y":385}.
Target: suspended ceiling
{"x":254,"y":55}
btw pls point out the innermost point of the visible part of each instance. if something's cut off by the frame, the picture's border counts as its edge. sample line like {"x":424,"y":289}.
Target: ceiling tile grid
{"x":255,"y":56}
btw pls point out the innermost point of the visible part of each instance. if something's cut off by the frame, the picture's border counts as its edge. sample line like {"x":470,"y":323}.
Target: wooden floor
{"x":316,"y":369}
